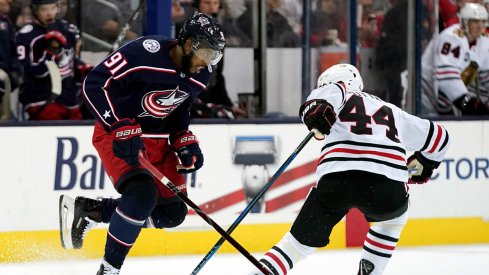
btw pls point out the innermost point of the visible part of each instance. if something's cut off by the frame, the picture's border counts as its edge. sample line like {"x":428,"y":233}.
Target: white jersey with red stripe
{"x":373,"y":135}
{"x":444,"y":60}
{"x":481,"y":87}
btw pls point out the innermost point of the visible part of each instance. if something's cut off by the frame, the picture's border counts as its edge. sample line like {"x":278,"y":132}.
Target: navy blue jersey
{"x":8,"y":56}
{"x":31,"y":50}
{"x":141,"y":81}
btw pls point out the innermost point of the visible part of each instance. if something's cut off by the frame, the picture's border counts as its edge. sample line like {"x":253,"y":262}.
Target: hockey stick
{"x":254,"y":201}
{"x":55,"y":76}
{"x":165,"y":181}
{"x":126,"y":27}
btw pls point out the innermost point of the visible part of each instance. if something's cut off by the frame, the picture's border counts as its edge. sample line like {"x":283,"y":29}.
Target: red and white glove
{"x":187,"y":147}
{"x":318,"y":114}
{"x":420,"y":168}
{"x":55,"y":42}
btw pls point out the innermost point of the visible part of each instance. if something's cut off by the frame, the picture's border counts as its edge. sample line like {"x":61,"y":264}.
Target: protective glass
{"x":210,"y":56}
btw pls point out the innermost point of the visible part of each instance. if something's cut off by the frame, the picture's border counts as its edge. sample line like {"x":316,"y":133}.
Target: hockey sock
{"x":282,"y":257}
{"x":380,"y":243}
{"x":137,"y":201}
{"x":108,"y":207}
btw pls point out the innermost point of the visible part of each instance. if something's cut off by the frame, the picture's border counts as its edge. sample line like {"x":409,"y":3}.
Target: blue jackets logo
{"x":160,"y":104}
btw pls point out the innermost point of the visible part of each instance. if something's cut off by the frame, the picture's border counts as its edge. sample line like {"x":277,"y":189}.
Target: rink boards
{"x":40,"y":163}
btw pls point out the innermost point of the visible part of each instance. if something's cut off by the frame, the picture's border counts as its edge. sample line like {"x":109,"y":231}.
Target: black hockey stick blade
{"x":165,"y":181}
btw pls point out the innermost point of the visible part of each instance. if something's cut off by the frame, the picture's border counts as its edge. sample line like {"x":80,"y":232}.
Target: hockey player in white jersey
{"x":479,"y":86}
{"x":452,"y":61}
{"x":362,"y":165}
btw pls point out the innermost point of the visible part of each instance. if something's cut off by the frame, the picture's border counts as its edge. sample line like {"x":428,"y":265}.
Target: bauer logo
{"x":74,"y":170}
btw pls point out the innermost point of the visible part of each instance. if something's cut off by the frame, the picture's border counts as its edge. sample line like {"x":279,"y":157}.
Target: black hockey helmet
{"x":206,"y":33}
{"x":36,"y":3}
{"x":44,"y":2}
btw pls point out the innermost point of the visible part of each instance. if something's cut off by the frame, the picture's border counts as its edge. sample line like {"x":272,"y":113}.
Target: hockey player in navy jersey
{"x":141,"y":96}
{"x":10,"y":67}
{"x":362,"y":164}
{"x":50,"y":39}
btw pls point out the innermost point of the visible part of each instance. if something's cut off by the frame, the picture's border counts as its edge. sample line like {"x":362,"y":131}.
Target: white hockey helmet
{"x":472,"y":11}
{"x":345,"y":73}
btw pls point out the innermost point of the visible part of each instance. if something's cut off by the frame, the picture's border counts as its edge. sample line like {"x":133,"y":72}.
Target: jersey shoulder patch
{"x":26,"y":29}
{"x":459,"y":32}
{"x":151,"y":45}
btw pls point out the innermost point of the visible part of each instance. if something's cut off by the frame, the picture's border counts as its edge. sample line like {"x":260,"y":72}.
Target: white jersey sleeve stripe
{"x":436,"y":143}
{"x":428,"y":139}
{"x":439,"y":133}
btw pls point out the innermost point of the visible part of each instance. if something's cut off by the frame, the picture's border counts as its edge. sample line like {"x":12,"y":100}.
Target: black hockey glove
{"x":127,"y":141}
{"x":318,"y":114}
{"x":470,"y":105}
{"x":420,"y":168}
{"x":187,"y":147}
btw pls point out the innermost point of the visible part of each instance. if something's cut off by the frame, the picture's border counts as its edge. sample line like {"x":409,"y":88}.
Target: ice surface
{"x":432,"y":260}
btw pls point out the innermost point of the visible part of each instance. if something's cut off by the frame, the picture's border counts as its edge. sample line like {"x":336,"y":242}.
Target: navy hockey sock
{"x":108,"y":207}
{"x":137,"y":201}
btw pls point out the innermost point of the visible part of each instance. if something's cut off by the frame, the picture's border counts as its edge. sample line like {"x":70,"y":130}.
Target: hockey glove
{"x":469,"y":74}
{"x":470,"y":105}
{"x":187,"y":147}
{"x":318,"y":114}
{"x":127,"y":142}
{"x":420,"y":168}
{"x":55,"y":41}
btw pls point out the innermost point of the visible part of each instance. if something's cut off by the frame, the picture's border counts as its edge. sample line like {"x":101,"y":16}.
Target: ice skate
{"x":108,"y":269}
{"x":365,"y":267}
{"x":86,"y":214}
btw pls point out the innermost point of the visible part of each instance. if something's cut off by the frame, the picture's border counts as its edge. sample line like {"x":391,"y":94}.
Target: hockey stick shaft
{"x":126,"y":26}
{"x":254,"y":201}
{"x":164,"y":180}
{"x":55,"y":77}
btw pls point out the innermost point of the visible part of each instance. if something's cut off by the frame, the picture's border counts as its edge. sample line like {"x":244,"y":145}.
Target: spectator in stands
{"x":9,"y":65}
{"x":235,"y":37}
{"x":127,"y":9}
{"x":391,"y":51}
{"x":181,"y":11}
{"x":279,"y":32}
{"x":292,"y":10}
{"x":371,"y":23}
{"x":20,"y":13}
{"x":327,"y":23}
{"x":214,"y":101}
{"x":45,"y":41}
{"x":103,"y":21}
{"x":66,"y":11}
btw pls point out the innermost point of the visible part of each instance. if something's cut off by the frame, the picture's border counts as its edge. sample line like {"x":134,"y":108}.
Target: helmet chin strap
{"x":187,"y":62}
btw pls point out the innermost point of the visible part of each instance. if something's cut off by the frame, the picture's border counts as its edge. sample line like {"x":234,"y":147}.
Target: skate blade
{"x":66,"y":209}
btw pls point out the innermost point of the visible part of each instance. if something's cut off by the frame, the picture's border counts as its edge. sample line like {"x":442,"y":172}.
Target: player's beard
{"x":187,"y":62}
